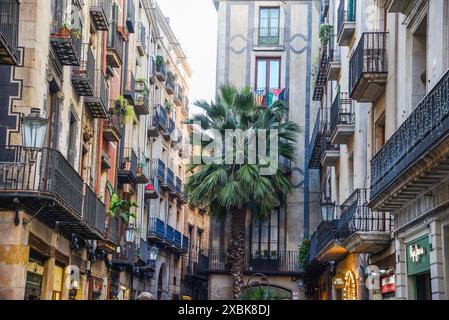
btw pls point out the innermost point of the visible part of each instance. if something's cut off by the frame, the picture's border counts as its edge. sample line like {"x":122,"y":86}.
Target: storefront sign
{"x":388,"y":284}
{"x":418,"y":259}
{"x":338,"y":281}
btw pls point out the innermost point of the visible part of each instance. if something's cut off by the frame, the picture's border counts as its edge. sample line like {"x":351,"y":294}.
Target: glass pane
{"x":274,"y":74}
{"x":264,"y":234}
{"x":274,"y":13}
{"x":261,"y":74}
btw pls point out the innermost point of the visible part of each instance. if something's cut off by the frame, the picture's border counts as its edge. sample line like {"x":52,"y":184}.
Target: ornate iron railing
{"x":9,"y":27}
{"x":346,"y":13}
{"x":156,"y":228}
{"x":94,"y":210}
{"x":342,"y":112}
{"x":426,"y":126}
{"x":40,"y":171}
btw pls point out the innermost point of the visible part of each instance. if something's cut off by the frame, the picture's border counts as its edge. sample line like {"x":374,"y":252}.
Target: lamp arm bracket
{"x":25,"y":221}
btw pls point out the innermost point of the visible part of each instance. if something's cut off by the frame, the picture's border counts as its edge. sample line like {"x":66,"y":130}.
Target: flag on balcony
{"x":277,"y":94}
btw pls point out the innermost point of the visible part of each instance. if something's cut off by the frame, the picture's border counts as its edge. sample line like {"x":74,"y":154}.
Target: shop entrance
{"x":35,"y":272}
{"x":423,"y":287}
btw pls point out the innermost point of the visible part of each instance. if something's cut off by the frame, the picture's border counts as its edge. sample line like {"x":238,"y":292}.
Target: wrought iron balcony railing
{"x":129,"y":91}
{"x":162,"y":117}
{"x":43,"y":178}
{"x":156,"y":229}
{"x":142,"y":99}
{"x":356,"y":216}
{"x":267,"y":262}
{"x":83,"y":77}
{"x":65,"y":40}
{"x":169,"y":180}
{"x":320,"y":74}
{"x":142,"y":40}
{"x":423,"y":130}
{"x":98,"y":103}
{"x":161,"y":68}
{"x":100,"y":11}
{"x":318,"y":134}
{"x":346,"y":21}
{"x":143,"y":169}
{"x":94,"y":211}
{"x":368,"y":67}
{"x":127,"y":172}
{"x":342,"y":113}
{"x":125,"y":255}
{"x":264,"y":97}
{"x":196,"y":261}
{"x":269,"y":37}
{"x":170,"y":83}
{"x":9,"y":32}
{"x":111,"y":127}
{"x":114,"y":52}
{"x":113,"y":230}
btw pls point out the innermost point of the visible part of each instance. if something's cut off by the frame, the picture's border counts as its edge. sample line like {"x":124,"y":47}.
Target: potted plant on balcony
{"x":160,"y":62}
{"x":141,"y":84}
{"x":326,"y":32}
{"x":304,"y":253}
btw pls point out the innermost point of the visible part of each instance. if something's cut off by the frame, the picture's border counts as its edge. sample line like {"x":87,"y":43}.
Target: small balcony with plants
{"x":346,"y":22}
{"x":100,"y":11}
{"x":178,"y":96}
{"x":368,"y":67}
{"x":98,"y":103}
{"x":153,"y":123}
{"x":143,"y":169}
{"x":65,"y":37}
{"x":142,"y":99}
{"x":322,"y":66}
{"x":9,"y":32}
{"x":83,"y":76}
{"x":342,"y":119}
{"x":114,"y":47}
{"x":111,"y":126}
{"x":127,"y":173}
{"x":161,"y":68}
{"x":156,"y":177}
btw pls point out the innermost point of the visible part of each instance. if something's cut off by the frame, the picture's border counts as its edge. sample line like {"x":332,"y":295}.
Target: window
{"x":268,"y":80}
{"x":268,"y":27}
{"x":265,"y":236}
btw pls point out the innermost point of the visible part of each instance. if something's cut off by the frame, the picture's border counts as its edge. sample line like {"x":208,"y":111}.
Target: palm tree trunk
{"x":236,"y":251}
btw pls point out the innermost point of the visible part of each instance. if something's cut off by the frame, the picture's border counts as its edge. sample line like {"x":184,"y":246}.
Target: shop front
{"x":418,"y":268}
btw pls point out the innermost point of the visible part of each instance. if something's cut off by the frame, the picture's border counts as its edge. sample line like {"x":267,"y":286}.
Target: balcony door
{"x":268,"y":80}
{"x":269,"y":26}
{"x":265,"y":237}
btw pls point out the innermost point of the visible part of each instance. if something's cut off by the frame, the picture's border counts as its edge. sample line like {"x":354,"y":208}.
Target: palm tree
{"x":240,"y":189}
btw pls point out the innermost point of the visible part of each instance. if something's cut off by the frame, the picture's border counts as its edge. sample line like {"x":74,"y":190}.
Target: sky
{"x":194,"y":23}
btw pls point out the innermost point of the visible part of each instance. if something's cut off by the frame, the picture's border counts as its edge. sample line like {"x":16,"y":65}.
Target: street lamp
{"x":152,"y":255}
{"x":130,"y":233}
{"x":34,"y":127}
{"x":327,"y":210}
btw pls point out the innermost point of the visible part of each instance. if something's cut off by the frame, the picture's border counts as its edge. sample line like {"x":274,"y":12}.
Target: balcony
{"x":170,"y":83}
{"x":177,"y":242}
{"x":100,"y":11}
{"x":330,"y":153}
{"x":268,"y":263}
{"x":9,"y":32}
{"x":170,"y":127}
{"x":114,"y":50}
{"x":321,"y":74}
{"x":185,"y":244}
{"x":98,"y":103}
{"x":264,"y":97}
{"x":342,"y":119}
{"x":143,"y":170}
{"x":169,"y":235}
{"x":334,"y":62}
{"x":113,"y":231}
{"x":346,"y":22}
{"x":185,"y":105}
{"x":324,"y":245}
{"x":153,"y":124}
{"x":180,"y":191}
{"x":83,"y":77}
{"x":130,"y":87}
{"x":368,"y":68}
{"x":269,"y":39}
{"x":156,"y":230}
{"x":178,"y":97}
{"x":158,"y":169}
{"x":315,"y":145}
{"x":196,"y":262}
{"x":169,"y":183}
{"x":65,"y":40}
{"x":415,"y":158}
{"x":45,"y":182}
{"x":124,"y":257}
{"x":131,"y":16}
{"x":360,"y":229}
{"x":127,"y":173}
{"x":142,"y":100}
{"x":161,"y":69}
{"x":142,"y":40}
{"x":152,"y":77}
{"x":111,"y":128}
{"x":94,"y":212}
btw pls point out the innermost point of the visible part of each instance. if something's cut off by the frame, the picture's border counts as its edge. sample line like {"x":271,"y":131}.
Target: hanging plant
{"x":121,"y":208}
{"x":121,"y":106}
{"x":168,"y":106}
{"x":304,"y":253}
{"x":326,"y":32}
{"x":160,"y":60}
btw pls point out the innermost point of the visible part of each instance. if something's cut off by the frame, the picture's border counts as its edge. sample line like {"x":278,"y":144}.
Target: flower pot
{"x":64,"y":32}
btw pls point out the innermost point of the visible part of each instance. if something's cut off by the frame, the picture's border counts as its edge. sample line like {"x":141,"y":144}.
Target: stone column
{"x":436,"y":261}
{"x":47,"y":279}
{"x":14,"y":254}
{"x":401,"y":269}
